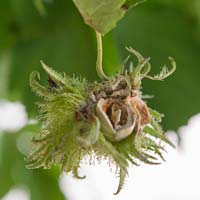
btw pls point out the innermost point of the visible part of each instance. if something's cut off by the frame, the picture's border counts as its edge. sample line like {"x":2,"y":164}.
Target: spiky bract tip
{"x":108,"y":119}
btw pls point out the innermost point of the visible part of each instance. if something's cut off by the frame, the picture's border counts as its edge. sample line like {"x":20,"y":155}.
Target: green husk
{"x":71,"y":131}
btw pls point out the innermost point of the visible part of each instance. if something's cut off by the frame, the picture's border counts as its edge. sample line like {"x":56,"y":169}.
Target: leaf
{"x":132,"y":3}
{"x":102,"y":15}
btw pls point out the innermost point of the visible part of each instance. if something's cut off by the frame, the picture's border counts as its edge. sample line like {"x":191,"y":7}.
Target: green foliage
{"x":62,"y":43}
{"x":158,"y":28}
{"x":103,"y":15}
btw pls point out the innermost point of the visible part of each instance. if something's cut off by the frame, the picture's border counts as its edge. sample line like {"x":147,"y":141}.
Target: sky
{"x":176,"y":179}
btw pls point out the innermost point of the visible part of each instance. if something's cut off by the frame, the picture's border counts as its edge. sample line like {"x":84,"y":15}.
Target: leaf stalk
{"x":99,"y":67}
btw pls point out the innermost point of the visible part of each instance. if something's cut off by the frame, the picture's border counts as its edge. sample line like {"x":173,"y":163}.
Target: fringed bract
{"x":109,"y":119}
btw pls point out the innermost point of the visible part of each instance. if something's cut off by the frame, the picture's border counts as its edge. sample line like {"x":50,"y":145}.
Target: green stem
{"x":99,"y":67}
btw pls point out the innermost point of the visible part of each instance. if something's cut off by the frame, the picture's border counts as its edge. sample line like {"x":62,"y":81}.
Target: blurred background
{"x":53,"y":30}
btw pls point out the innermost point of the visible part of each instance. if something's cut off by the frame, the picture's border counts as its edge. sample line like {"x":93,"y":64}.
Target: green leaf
{"x":103,"y":15}
{"x":132,"y":3}
{"x":71,"y":48}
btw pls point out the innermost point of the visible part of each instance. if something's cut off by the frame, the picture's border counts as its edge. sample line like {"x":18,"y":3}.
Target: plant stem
{"x":99,"y":67}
